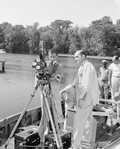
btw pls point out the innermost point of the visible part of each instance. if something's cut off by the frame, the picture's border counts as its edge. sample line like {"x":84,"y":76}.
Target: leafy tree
{"x":7,"y":30}
{"x":107,"y":36}
{"x":1,"y":38}
{"x":59,"y":32}
{"x":33,"y":36}
{"x":75,"y":40}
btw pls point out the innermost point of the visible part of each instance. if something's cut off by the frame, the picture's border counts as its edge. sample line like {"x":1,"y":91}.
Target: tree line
{"x":101,"y":37}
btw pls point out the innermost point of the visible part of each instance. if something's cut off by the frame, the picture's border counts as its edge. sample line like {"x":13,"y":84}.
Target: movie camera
{"x":44,"y":70}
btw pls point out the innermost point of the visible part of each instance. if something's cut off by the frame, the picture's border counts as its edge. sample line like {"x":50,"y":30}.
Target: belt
{"x":103,"y":80}
{"x":116,"y":76}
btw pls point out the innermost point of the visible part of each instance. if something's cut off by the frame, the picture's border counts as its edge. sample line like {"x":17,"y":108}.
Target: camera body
{"x":44,"y":70}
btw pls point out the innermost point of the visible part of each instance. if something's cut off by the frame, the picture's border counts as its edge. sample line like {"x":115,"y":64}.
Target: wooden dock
{"x":3,"y":66}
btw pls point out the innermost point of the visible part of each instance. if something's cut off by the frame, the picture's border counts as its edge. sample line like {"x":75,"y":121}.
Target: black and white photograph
{"x":59,"y":74}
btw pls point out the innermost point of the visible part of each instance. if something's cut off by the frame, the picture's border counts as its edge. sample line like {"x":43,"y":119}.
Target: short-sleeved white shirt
{"x":104,"y":74}
{"x":115,"y":68}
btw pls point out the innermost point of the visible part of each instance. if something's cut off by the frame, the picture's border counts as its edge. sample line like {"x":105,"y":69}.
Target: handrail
{"x":109,"y":100}
{"x":113,"y":144}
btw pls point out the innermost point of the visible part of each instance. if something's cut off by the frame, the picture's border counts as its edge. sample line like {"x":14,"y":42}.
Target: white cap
{"x":104,"y":61}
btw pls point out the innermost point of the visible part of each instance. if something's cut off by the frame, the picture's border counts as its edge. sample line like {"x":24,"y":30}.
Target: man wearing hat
{"x":103,"y":80}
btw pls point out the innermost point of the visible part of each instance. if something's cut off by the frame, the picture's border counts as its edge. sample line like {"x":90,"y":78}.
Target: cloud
{"x":117,"y":1}
{"x":73,"y":7}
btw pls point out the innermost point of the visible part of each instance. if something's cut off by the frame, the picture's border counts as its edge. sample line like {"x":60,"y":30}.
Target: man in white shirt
{"x":114,"y":75}
{"x":103,"y":80}
{"x":87,"y":95}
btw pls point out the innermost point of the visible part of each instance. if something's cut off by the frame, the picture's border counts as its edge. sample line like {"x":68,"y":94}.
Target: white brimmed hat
{"x":114,"y":58}
{"x":104,"y":61}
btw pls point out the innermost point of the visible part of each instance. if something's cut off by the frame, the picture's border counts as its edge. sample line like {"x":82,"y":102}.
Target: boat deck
{"x":85,"y":145}
{"x":105,"y":142}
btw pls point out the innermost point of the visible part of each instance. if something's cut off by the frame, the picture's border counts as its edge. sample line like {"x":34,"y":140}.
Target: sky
{"x":80,"y":12}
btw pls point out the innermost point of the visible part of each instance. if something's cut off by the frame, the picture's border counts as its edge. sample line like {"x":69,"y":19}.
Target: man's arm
{"x":65,"y":91}
{"x":109,"y":77}
{"x":99,"y":73}
{"x":75,"y":81}
{"x":86,"y":81}
{"x":110,"y":74}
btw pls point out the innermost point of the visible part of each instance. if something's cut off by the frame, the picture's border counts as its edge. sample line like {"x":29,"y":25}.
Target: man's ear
{"x":83,"y":56}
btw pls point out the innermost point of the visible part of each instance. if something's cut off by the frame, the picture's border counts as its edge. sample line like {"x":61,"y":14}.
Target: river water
{"x":17,"y":83}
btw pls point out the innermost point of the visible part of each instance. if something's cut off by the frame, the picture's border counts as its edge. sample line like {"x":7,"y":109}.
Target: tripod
{"x":47,"y":100}
{"x":44,"y":86}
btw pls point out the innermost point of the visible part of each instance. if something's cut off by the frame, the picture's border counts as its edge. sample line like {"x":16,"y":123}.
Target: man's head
{"x":80,"y":56}
{"x":53,"y":55}
{"x":115,"y":59}
{"x":105,"y":63}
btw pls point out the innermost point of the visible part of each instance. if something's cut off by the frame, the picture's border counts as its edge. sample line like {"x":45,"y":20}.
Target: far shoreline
{"x":69,"y":55}
{"x":91,"y":57}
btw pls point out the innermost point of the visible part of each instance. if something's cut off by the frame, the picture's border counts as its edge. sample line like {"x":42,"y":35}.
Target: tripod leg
{"x":43,"y":122}
{"x":56,"y":133}
{"x":56,"y":122}
{"x":20,"y":118}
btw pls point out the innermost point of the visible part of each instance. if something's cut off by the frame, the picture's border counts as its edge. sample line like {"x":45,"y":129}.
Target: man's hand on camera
{"x":55,"y":78}
{"x":58,"y":77}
